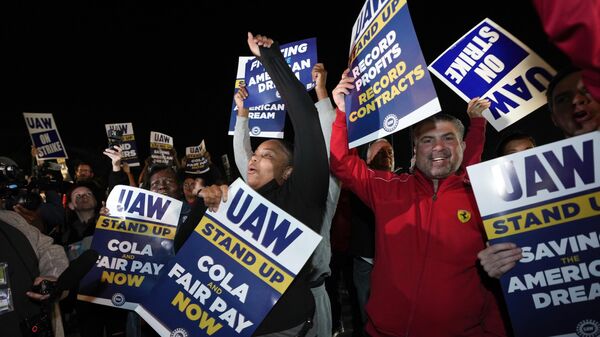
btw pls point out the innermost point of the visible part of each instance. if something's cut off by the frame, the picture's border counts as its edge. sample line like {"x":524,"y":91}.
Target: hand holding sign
{"x":213,"y":195}
{"x":342,"y":89}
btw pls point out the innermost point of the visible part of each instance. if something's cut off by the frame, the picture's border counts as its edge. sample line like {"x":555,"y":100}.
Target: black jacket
{"x":303,"y":195}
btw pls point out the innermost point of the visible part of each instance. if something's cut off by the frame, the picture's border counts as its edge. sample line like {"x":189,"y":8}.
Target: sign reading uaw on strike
{"x":134,"y":243}
{"x":392,"y":87}
{"x":489,"y":62}
{"x":546,"y":200}
{"x":231,"y":270}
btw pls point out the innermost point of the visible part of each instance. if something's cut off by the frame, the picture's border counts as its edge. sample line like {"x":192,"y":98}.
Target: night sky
{"x":168,"y":67}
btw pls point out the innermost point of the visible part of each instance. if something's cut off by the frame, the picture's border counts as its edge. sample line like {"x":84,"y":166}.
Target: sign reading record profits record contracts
{"x":489,"y":62}
{"x":231,"y":270}
{"x":392,"y":87}
{"x":546,"y":200}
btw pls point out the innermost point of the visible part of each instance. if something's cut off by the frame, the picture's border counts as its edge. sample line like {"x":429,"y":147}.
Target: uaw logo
{"x":463,"y":215}
{"x":588,"y":328}
{"x":255,"y":130}
{"x":118,"y":299}
{"x":390,"y":122}
{"x":179,"y":332}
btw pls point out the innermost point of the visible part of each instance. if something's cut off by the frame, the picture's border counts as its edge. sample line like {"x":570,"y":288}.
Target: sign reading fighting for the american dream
{"x":301,"y":56}
{"x":546,"y":200}
{"x":134,"y":243}
{"x":264,"y":120}
{"x":231,"y":270}
{"x":392,"y":87}
{"x":44,"y":136}
{"x":489,"y":62}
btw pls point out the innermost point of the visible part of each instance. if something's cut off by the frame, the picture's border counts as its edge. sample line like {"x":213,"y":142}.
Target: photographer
{"x":37,"y":200}
{"x":26,"y":258}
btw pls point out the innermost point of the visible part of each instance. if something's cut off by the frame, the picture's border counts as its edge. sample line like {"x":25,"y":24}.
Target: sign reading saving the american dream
{"x":134,"y":244}
{"x":161,"y":148}
{"x":44,"y":136}
{"x":264,"y":120}
{"x":392,"y":87}
{"x":128,"y":146}
{"x":546,"y":200}
{"x":489,"y":62}
{"x":232,"y":269}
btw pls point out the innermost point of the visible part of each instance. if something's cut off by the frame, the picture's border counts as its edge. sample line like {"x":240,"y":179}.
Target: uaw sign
{"x":301,"y":56}
{"x":489,"y":62}
{"x":44,"y":136}
{"x":392,"y":87}
{"x":134,"y":243}
{"x":264,"y":120}
{"x":546,"y":200}
{"x":232,"y":269}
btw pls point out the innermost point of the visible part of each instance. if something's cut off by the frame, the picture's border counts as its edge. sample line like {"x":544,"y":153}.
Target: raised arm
{"x":242,"y":151}
{"x":345,"y":164}
{"x":475,"y":137}
{"x":310,"y":155}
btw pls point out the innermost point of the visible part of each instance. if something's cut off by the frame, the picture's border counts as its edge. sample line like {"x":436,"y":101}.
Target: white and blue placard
{"x":301,"y":56}
{"x":392,"y":87}
{"x":196,"y":159}
{"x":134,"y":244}
{"x":161,"y":148}
{"x":546,"y":200}
{"x":44,"y":136}
{"x":264,"y":120}
{"x":489,"y":62}
{"x":232,"y":269}
{"x":128,"y":145}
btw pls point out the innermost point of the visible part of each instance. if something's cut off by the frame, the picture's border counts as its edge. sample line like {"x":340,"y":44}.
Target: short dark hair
{"x":440,"y":117}
{"x":288,"y":149}
{"x":515,"y":135}
{"x":155,"y":168}
{"x":555,"y":80}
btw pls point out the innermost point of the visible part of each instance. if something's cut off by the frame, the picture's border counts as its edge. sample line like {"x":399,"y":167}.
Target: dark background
{"x":171,"y":66}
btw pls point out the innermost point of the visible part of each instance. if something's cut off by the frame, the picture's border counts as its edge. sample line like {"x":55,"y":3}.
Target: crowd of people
{"x":393,"y":237}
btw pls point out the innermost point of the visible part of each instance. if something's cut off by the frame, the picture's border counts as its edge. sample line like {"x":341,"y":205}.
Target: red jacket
{"x":425,"y":280}
{"x":574,"y":27}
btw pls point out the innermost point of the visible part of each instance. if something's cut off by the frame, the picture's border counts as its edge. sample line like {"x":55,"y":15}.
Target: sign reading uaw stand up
{"x":392,"y":87}
{"x":546,"y":200}
{"x":231,"y":270}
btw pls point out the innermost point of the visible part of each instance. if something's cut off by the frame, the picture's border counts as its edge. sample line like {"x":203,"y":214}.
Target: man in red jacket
{"x":425,"y":281}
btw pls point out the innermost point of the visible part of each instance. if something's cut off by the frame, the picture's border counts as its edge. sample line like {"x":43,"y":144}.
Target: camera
{"x":14,"y":189}
{"x":115,"y":138}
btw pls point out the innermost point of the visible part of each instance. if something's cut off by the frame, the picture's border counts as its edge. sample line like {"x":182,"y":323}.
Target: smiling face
{"x":269,"y":161}
{"x":574,"y":110}
{"x":438,"y":148}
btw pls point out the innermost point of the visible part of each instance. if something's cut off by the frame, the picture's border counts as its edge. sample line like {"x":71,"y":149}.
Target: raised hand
{"x":239,"y":98}
{"x":342,"y":89}
{"x":476,"y":106}
{"x":254,"y":42}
